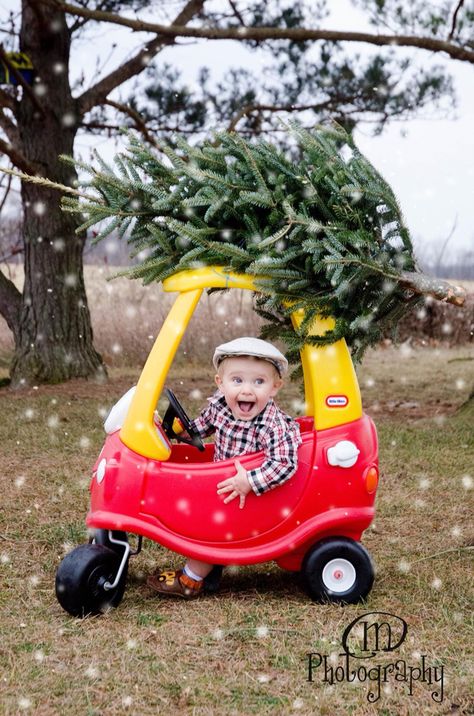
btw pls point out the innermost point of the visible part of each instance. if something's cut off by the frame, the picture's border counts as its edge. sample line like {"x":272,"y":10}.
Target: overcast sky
{"x":429,"y":163}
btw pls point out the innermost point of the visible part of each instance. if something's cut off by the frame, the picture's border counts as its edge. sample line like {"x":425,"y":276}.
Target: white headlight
{"x":343,"y":454}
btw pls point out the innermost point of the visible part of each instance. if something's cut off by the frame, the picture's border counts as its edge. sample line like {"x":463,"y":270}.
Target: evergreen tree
{"x":322,"y":227}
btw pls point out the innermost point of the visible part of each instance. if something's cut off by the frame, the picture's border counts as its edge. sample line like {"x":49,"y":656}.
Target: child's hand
{"x":238,"y":486}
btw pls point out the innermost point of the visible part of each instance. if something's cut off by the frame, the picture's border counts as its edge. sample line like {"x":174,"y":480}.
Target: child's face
{"x":247,"y":384}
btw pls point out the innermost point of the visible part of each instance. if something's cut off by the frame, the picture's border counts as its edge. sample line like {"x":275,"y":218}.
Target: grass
{"x":244,"y":650}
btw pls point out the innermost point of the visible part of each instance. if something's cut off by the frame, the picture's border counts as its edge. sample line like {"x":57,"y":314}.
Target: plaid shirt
{"x":272,"y":431}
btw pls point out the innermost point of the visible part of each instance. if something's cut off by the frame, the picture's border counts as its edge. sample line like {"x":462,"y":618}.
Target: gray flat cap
{"x":253,"y":347}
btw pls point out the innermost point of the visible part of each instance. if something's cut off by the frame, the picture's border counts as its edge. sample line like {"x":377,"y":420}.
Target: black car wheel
{"x":81,"y":578}
{"x":338,"y":569}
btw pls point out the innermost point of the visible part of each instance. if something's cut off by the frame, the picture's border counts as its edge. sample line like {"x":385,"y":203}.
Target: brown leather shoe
{"x":175,"y":584}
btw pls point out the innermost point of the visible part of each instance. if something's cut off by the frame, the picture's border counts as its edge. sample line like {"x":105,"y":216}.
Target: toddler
{"x":245,"y":419}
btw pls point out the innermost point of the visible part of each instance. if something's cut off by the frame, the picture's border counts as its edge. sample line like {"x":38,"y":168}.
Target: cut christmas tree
{"x":318,"y":222}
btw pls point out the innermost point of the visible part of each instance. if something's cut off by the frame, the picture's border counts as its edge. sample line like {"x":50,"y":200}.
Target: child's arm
{"x":281,"y":459}
{"x":204,"y":424}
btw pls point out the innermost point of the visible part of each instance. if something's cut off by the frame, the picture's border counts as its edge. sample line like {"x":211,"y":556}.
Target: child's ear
{"x":277,"y":383}
{"x":218,"y":380}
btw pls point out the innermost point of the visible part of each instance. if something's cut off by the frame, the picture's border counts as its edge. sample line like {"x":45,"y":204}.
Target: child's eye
{"x":237,"y":380}
{"x":260,"y":381}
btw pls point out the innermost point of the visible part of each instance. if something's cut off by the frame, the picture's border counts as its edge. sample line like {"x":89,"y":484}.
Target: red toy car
{"x":145,"y":485}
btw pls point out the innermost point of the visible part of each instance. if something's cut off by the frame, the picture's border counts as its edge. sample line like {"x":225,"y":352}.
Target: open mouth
{"x":245,"y":406}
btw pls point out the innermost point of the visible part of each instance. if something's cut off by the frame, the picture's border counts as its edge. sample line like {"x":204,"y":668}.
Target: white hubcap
{"x":339,"y":575}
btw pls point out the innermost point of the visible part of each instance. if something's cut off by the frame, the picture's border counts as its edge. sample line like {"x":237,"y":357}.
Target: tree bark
{"x":53,"y":335}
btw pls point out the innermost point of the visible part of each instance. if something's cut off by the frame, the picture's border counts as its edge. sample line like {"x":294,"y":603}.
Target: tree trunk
{"x":53,"y":336}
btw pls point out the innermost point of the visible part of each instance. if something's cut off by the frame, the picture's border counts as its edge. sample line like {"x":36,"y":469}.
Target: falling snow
{"x":53,"y":422}
{"x":262,"y":632}
{"x":92,"y":672}
{"x":467,"y":482}
{"x":39,"y":207}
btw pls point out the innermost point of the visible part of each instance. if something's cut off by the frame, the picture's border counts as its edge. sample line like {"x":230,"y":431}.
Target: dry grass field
{"x":242,"y":651}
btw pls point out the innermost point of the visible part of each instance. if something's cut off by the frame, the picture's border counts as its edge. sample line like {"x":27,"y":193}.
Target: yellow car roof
{"x":332,"y":393}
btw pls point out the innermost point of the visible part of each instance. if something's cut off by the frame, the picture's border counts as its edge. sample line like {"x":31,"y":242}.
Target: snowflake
{"x":424,"y":483}
{"x":262,"y":632}
{"x":39,"y":656}
{"x":84,"y":442}
{"x":436,"y":583}
{"x":53,"y":422}
{"x":218,"y":634}
{"x":404,"y":566}
{"x":467,"y":482}
{"x":59,"y":68}
{"x":34,"y":580}
{"x":195,"y":394}
{"x":92,"y":672}
{"x":132,"y":644}
{"x":127,"y":701}
{"x":456,"y":531}
{"x":70,"y":280}
{"x":183,"y":506}
{"x":24,"y":703}
{"x":298,"y":704}
{"x":39,"y":208}
{"x":20,"y":481}
{"x":130,"y":311}
{"x":59,"y":245}
{"x":263,"y":678}
{"x":370,"y":382}
{"x":4,"y":558}
{"x":405,"y":350}
{"x":460,"y":384}
{"x":29,"y":413}
{"x":68,"y":119}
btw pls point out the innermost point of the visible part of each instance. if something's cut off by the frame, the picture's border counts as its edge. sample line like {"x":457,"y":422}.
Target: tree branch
{"x":137,"y":119}
{"x":261,"y":34}
{"x":98,"y":93}
{"x":10,"y":303}
{"x":17,"y":158}
{"x":6,"y":100}
{"x":454,"y":20}
{"x":249,"y":108}
{"x":10,"y":128}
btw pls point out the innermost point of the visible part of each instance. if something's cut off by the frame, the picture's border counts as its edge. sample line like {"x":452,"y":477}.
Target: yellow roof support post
{"x":139,"y":432}
{"x":332,"y":392}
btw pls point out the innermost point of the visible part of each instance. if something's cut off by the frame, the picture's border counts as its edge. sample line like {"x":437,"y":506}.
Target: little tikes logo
{"x":366,"y":637}
{"x":337,"y":401}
